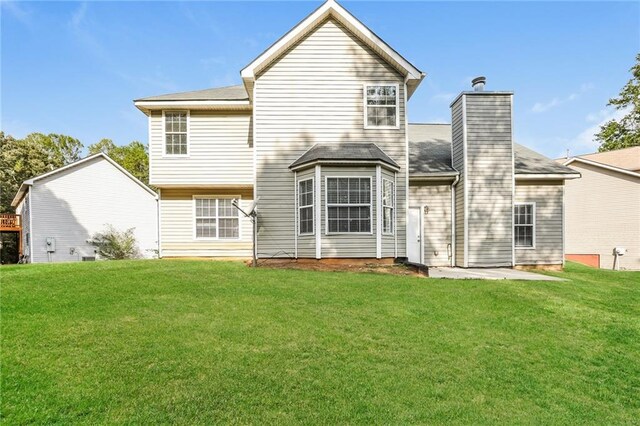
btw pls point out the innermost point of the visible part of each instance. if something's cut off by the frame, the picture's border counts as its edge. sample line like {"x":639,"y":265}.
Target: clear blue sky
{"x":74,"y":68}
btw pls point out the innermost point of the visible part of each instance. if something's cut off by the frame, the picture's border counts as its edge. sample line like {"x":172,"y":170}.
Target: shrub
{"x":115,"y":245}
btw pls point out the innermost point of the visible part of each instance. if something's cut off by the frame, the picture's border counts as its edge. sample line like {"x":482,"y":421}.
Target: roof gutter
{"x":547,"y":176}
{"x":435,"y":177}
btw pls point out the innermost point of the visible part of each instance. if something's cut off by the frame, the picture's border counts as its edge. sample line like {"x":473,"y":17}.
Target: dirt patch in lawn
{"x":345,"y":266}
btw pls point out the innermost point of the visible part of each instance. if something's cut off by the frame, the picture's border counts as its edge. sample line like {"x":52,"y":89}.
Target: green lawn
{"x":203,"y":342}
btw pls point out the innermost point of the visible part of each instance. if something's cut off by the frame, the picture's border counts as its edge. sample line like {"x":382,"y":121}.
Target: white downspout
{"x":453,"y":220}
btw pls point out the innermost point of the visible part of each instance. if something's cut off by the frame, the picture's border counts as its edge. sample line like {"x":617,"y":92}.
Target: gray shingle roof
{"x":228,"y":93}
{"x":430,"y":153}
{"x":429,"y":149}
{"x":356,"y":152}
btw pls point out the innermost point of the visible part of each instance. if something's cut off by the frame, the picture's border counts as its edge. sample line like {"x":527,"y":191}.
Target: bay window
{"x":348,"y":204}
{"x":305,"y":206}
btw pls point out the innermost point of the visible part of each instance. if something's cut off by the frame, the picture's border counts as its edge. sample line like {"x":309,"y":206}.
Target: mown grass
{"x":204,"y":342}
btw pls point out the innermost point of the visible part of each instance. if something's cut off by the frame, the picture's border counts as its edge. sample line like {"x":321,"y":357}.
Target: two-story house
{"x":317,"y":133}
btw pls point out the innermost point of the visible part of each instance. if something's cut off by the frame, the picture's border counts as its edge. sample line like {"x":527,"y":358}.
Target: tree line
{"x":37,"y":153}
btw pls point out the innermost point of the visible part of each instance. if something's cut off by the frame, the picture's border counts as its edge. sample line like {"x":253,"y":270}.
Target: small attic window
{"x":381,"y":106}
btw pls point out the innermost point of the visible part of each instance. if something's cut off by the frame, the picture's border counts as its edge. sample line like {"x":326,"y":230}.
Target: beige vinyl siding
{"x":548,"y":201}
{"x":177,"y":224}
{"x":349,"y":244}
{"x":220,"y":150}
{"x":603,"y":212}
{"x":489,"y":180}
{"x":436,"y":233}
{"x":307,"y":243}
{"x":72,"y":205}
{"x":457,"y":130}
{"x":314,"y":94}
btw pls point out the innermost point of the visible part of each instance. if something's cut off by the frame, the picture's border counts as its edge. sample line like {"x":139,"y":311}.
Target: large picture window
{"x":175,"y":133}
{"x":348,"y":205}
{"x":381,"y":105}
{"x":524,"y":225}
{"x":388,"y":204}
{"x":216,"y":218}
{"x":305,"y":206}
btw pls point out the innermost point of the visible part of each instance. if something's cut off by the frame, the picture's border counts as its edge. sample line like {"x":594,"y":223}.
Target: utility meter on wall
{"x":51,"y":244}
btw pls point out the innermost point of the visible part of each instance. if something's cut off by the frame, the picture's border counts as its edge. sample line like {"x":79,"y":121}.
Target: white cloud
{"x":77,"y":18}
{"x":18,"y":11}
{"x":443,"y":97}
{"x":584,"y":142}
{"x":539,"y":107}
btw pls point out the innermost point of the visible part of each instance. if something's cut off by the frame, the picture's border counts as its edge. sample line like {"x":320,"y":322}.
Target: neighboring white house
{"x":603,"y":209}
{"x":61,"y":210}
{"x":318,"y":135}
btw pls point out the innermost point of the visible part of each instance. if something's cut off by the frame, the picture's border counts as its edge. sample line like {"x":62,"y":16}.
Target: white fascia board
{"x":601,"y":165}
{"x":329,"y":8}
{"x":547,"y":176}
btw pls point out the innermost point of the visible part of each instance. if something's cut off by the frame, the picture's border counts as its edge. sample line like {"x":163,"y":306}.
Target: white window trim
{"x":364,"y":104}
{"x":217,"y":237}
{"x":533,"y":226}
{"x":326,"y":205}
{"x":392,"y":207}
{"x":312,"y":206}
{"x":164,"y":134}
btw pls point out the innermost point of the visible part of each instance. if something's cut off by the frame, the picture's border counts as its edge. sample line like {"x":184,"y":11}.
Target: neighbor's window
{"x":381,"y":109}
{"x":388,"y":200}
{"x":216,"y":218}
{"x":305,"y":206}
{"x":349,"y":204}
{"x":175,"y":133}
{"x":524,"y":225}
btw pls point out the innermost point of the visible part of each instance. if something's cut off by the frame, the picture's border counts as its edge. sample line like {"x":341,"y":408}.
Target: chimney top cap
{"x":478,"y":83}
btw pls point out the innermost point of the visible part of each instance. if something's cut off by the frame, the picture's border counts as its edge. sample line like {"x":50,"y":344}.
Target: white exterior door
{"x":414,"y":236}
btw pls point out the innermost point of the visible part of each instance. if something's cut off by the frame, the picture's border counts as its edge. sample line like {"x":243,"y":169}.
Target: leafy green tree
{"x":133,"y":157}
{"x":624,"y":133}
{"x":22,"y":159}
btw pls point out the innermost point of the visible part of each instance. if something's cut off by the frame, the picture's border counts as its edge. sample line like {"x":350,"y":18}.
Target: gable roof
{"x":569,"y":161}
{"x":625,"y":158}
{"x":332,"y":9}
{"x":343,"y":153}
{"x":430,"y":155}
{"x":29,"y":182}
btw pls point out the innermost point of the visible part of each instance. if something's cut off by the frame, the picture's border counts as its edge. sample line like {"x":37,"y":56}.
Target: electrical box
{"x":51,"y":244}
{"x":620,"y":251}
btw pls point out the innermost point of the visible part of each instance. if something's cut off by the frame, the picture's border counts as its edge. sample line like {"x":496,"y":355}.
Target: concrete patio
{"x":488,"y":274}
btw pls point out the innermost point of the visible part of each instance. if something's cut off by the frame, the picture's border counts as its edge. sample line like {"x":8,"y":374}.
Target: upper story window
{"x":381,"y":106}
{"x":524,"y":225}
{"x":176,"y":133}
{"x":348,"y":205}
{"x":216,"y":218}
{"x":388,"y":204}
{"x":305,"y":206}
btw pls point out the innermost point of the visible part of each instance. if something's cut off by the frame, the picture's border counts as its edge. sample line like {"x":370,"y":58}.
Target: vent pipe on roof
{"x":478,"y":83}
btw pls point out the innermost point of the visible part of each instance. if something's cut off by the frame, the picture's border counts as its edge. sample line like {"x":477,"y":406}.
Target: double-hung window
{"x":524,"y":229}
{"x":348,"y":205}
{"x":305,"y":206}
{"x":175,"y":133}
{"x":381,"y":105}
{"x":388,"y":204}
{"x":216,"y":218}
